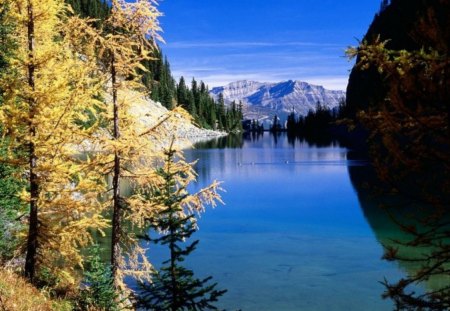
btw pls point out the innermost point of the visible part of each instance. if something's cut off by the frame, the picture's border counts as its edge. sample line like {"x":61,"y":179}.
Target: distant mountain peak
{"x":263,"y":100}
{"x":244,"y":82}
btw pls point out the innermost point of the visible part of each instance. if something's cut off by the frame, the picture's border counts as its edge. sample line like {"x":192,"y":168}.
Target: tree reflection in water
{"x":414,"y":231}
{"x":415,"y":234}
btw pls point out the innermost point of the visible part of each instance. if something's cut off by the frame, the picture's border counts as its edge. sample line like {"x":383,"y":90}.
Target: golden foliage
{"x":410,"y":143}
{"x":45,"y":116}
{"x":59,"y":73}
{"x":171,"y":179}
{"x":130,"y":150}
{"x":413,"y":121}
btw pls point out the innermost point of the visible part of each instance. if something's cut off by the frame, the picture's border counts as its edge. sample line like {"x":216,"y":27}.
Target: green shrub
{"x":98,"y":291}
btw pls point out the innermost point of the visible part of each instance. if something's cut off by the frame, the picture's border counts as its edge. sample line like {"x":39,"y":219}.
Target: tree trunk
{"x":117,"y":212}
{"x":173,"y":271}
{"x":32,"y":243}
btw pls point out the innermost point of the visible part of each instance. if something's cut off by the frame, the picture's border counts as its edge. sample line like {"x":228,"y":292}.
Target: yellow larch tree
{"x":47,"y":91}
{"x":129,"y":150}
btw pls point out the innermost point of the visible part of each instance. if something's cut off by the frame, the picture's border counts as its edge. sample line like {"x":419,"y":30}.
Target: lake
{"x":296,"y":233}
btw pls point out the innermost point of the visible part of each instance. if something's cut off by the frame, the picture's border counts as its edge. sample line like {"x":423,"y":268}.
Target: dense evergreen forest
{"x":192,"y":96}
{"x":319,"y":126}
{"x":98,"y":9}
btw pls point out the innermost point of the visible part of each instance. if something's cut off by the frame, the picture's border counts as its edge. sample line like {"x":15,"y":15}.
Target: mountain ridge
{"x":263,"y":100}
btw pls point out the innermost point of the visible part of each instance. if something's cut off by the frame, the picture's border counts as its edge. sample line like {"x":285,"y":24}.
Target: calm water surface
{"x":295,"y":233}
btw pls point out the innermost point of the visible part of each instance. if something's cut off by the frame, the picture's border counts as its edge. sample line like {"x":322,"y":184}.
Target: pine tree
{"x":221,"y":112}
{"x":174,"y":287}
{"x":276,"y":126}
{"x":9,"y":186}
{"x":291,"y":123}
{"x":97,"y":9}
{"x":48,"y":86}
{"x":98,"y":292}
{"x":157,"y":77}
{"x":182,"y":94}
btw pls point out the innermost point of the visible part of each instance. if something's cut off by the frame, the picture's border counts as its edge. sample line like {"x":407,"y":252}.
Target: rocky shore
{"x":148,"y":113}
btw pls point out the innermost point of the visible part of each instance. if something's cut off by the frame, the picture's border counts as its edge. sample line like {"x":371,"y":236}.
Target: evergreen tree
{"x":206,"y":112}
{"x":174,"y":287}
{"x":201,"y":105}
{"x":291,"y":123}
{"x":157,"y":77}
{"x":11,"y":206}
{"x":234,"y":117}
{"x":276,"y":126}
{"x":182,"y":94}
{"x":192,"y":107}
{"x":97,"y":9}
{"x":221,"y":113}
{"x":194,"y":89}
{"x":98,"y":288}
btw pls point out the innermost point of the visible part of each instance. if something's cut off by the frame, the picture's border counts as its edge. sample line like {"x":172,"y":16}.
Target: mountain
{"x":263,"y":100}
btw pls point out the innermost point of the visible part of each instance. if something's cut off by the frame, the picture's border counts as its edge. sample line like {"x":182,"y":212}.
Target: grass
{"x":16,"y":294}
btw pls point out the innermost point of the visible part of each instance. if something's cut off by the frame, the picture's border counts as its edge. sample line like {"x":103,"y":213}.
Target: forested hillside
{"x":399,"y":87}
{"x":409,"y":25}
{"x":163,"y":88}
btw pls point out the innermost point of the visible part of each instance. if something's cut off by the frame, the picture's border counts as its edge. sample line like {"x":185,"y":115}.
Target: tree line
{"x":162,"y":87}
{"x":194,"y":97}
{"x":317,"y":122}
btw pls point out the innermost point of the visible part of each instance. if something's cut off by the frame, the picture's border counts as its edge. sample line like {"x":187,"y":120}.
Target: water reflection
{"x":300,"y":222}
{"x":323,"y":140}
{"x":264,"y":149}
{"x":415,"y":235}
{"x":230,"y":141}
{"x":291,"y":230}
{"x":238,"y":140}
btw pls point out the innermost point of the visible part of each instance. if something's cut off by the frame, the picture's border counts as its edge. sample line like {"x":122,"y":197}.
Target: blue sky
{"x":264,"y":40}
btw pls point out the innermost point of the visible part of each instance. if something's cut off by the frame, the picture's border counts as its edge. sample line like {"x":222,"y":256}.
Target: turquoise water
{"x":294,"y":233}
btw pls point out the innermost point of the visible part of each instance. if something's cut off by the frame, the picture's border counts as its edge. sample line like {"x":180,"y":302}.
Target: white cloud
{"x":245,"y":44}
{"x":213,"y":79}
{"x":311,"y":62}
{"x":329,"y":82}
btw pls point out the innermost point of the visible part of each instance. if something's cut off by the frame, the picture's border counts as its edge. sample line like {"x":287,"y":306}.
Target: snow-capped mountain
{"x":264,"y":100}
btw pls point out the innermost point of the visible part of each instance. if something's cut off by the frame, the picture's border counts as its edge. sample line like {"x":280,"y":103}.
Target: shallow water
{"x":293,"y":234}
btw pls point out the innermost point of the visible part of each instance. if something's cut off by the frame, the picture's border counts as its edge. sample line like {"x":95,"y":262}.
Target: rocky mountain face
{"x":148,"y":114}
{"x":263,"y":100}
